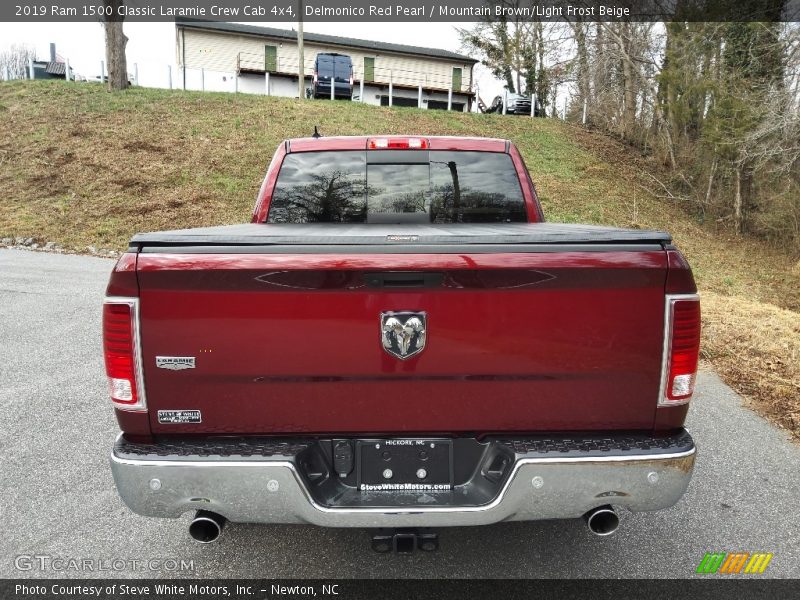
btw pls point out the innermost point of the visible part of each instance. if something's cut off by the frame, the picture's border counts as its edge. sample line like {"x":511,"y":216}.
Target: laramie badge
{"x":175,"y":363}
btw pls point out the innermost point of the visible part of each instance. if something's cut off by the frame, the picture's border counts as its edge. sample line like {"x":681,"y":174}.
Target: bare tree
{"x":116,"y":40}
{"x":716,"y":102}
{"x":493,"y":41}
{"x":522,"y":53}
{"x":580,"y":30}
{"x":16,"y":59}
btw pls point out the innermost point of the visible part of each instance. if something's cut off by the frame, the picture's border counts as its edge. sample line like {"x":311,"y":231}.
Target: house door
{"x":456,"y":79}
{"x":369,"y":68}
{"x":270,"y":58}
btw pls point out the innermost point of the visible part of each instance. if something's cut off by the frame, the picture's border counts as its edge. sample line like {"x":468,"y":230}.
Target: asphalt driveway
{"x":58,"y":499}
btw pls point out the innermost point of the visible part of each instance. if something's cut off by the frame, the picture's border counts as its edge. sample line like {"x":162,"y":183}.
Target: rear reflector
{"x":681,"y":349}
{"x":121,"y":352}
{"x":397,"y":143}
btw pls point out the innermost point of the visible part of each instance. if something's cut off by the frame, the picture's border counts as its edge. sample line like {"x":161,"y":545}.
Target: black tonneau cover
{"x":335,"y":234}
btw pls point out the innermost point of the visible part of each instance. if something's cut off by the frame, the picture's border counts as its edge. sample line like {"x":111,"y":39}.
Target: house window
{"x":270,"y":58}
{"x":369,"y":68}
{"x":456,"y":79}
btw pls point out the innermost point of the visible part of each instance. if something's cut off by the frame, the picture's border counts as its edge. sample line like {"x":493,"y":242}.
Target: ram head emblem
{"x":403,"y":333}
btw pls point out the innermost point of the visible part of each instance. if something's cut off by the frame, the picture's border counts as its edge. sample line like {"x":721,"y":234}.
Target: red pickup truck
{"x":399,"y":341}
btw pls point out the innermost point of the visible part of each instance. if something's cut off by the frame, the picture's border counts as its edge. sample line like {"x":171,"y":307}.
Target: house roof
{"x":53,"y":68}
{"x":56,"y":68}
{"x":330,"y":40}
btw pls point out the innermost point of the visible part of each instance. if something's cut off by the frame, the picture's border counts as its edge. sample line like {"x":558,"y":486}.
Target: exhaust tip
{"x":206,"y":527}
{"x":602,"y":521}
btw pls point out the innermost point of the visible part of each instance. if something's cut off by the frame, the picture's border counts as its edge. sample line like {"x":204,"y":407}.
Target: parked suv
{"x":517,"y":105}
{"x":333,"y":67}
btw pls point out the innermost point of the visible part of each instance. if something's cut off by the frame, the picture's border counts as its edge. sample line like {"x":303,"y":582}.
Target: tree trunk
{"x":748,"y":201}
{"x":737,"y":201}
{"x":505,"y":45}
{"x":116,"y":40}
{"x":629,"y":90}
{"x":712,"y":173}
{"x":705,"y":75}
{"x":541,"y":68}
{"x":599,"y":71}
{"x":529,"y":62}
{"x":579,"y":29}
{"x":301,"y":60}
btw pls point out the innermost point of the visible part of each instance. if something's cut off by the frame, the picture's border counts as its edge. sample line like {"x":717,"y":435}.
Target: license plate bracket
{"x":406,"y":460}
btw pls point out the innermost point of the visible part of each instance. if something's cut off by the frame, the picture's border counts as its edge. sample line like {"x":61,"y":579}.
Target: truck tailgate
{"x":531,"y":327}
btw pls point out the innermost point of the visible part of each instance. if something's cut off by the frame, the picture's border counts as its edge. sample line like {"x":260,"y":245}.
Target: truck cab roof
{"x":361,"y":142}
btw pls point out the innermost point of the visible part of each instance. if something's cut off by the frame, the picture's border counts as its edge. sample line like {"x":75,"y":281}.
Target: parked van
{"x":336,"y":67}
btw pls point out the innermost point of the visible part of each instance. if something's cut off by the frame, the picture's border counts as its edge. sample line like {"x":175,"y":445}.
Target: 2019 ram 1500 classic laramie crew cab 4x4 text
{"x":399,"y":341}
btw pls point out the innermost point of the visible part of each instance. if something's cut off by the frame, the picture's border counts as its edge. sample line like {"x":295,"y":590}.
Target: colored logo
{"x":734,"y":563}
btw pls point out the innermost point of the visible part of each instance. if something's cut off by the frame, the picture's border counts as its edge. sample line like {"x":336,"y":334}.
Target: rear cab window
{"x":390,"y":186}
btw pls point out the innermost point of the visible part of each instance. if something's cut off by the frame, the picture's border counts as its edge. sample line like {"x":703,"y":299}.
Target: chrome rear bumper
{"x":271,"y":489}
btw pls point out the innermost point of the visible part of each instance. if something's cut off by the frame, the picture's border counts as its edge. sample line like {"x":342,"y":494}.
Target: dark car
{"x":517,"y":105}
{"x":333,"y":67}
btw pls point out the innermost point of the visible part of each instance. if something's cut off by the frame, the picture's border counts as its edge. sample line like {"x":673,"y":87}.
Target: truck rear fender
{"x":681,"y":339}
{"x":122,"y":349}
{"x":123,"y":280}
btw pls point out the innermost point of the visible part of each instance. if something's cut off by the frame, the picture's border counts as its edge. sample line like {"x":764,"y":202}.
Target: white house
{"x":264,"y":60}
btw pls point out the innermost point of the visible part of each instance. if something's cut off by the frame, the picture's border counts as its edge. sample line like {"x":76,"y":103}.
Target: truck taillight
{"x":681,"y":349}
{"x":397,"y":143}
{"x":121,"y":352}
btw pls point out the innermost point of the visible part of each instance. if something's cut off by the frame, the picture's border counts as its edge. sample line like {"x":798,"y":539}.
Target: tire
{"x":496,"y":106}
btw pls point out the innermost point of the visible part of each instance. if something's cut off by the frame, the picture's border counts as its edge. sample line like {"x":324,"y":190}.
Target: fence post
{"x":136,"y":74}
{"x":102,"y":71}
{"x":266,"y":83}
{"x":585,"y":106}
{"x":390,"y":88}
{"x":533,"y":105}
{"x":30,"y":68}
{"x":203,"y":79}
{"x":7,"y":73}
{"x":565,"y":109}
{"x":169,"y":76}
{"x":505,"y":101}
{"x":361,"y":90}
{"x":419,"y":96}
{"x":236,"y":83}
{"x":183,"y":69}
{"x":333,"y":84}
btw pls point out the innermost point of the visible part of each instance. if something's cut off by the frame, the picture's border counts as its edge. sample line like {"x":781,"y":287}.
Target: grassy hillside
{"x":80,"y":166}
